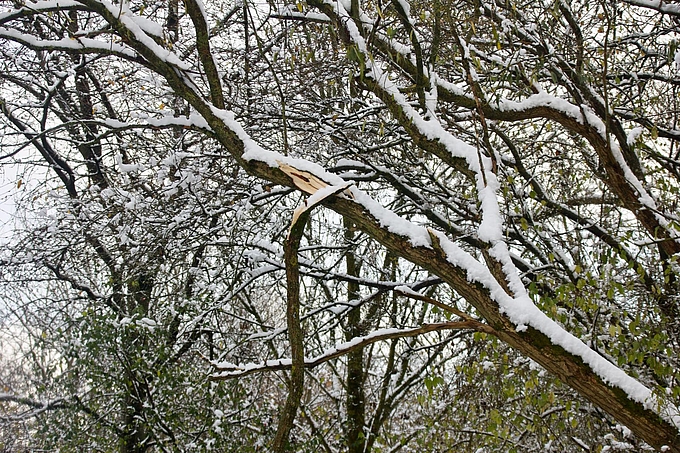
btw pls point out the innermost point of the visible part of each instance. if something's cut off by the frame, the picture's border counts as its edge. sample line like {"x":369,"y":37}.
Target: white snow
{"x":149,"y":26}
{"x":147,"y":323}
{"x":665,"y":7}
{"x":633,"y":135}
{"x":522,"y":312}
{"x":491,"y":227}
{"x":127,"y":168}
{"x":541,"y":99}
{"x":518,"y":307}
{"x":290,"y":12}
{"x":39,"y":6}
{"x":129,"y":20}
{"x":405,"y":6}
{"x":66,"y":43}
{"x":194,"y":120}
{"x":231,"y":369}
{"x":324,"y":193}
{"x":417,"y":235}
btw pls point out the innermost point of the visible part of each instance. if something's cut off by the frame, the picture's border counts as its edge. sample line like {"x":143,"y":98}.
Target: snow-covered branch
{"x":229,"y":371}
{"x":36,"y":407}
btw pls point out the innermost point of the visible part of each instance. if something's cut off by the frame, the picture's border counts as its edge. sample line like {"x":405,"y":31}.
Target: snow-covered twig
{"x":230,"y":371}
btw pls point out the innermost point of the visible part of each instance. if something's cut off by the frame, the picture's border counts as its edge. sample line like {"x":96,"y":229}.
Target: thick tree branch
{"x":295,"y":333}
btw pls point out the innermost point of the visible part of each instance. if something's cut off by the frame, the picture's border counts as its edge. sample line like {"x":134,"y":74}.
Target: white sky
{"x":8,"y":187}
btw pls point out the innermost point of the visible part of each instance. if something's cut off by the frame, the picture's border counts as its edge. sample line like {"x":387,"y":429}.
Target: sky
{"x":8,"y":187}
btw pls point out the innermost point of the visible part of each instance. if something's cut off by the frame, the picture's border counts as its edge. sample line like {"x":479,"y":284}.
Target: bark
{"x":295,"y":336}
{"x":356,"y":412}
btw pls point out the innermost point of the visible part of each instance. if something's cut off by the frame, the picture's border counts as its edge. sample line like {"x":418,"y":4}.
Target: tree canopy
{"x":339,"y":225}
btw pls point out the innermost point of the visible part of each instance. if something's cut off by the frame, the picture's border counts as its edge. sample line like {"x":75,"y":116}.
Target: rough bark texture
{"x":355,"y":358}
{"x":295,"y":336}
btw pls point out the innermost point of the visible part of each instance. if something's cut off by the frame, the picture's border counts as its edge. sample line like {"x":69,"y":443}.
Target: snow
{"x":147,"y":323}
{"x":39,"y":6}
{"x":633,"y":135}
{"x":194,"y":120}
{"x":491,"y":227}
{"x":517,"y":307}
{"x":230,"y":369}
{"x":541,"y":99}
{"x":130,"y":21}
{"x":523,"y":313}
{"x":665,"y":7}
{"x":407,"y":290}
{"x":418,"y":236}
{"x":324,"y":193}
{"x":450,"y":87}
{"x":431,"y":98}
{"x":127,"y":168}
{"x":149,"y":26}
{"x":67,"y":43}
{"x":266,"y":335}
{"x":289,"y":12}
{"x":405,"y":6}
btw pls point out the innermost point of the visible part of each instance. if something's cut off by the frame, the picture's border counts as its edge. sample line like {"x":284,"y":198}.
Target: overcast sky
{"x":8,"y":186}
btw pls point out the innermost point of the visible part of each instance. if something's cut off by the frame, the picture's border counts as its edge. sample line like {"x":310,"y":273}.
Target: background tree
{"x":499,"y":182}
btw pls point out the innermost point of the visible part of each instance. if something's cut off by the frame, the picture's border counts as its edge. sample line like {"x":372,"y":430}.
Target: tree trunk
{"x":356,"y":414}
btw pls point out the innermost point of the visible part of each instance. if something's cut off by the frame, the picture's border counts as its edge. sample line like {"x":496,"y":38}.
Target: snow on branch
{"x":80,"y":44}
{"x":505,"y":288}
{"x":31,"y":8}
{"x":289,"y":13}
{"x":36,"y":406}
{"x":227,"y":370}
{"x":657,"y":5}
